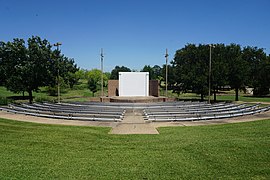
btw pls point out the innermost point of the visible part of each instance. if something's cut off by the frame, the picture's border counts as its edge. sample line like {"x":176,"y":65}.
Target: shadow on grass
{"x":18,"y":97}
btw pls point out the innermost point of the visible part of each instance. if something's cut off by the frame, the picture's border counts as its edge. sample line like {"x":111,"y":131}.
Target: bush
{"x":42,"y":99}
{"x":52,"y":91}
{"x":80,"y":87}
{"x":5,"y":101}
{"x":260,"y":91}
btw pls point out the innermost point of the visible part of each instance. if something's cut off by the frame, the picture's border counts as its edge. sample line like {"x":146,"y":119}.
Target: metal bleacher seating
{"x":70,"y":112}
{"x":201,"y":112}
{"x":152,"y":112}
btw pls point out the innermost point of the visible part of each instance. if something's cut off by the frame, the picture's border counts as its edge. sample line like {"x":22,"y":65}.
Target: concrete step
{"x":133,"y":123}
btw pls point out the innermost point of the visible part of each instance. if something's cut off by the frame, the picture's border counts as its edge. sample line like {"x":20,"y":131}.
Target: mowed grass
{"x":37,"y":151}
{"x":243,"y":98}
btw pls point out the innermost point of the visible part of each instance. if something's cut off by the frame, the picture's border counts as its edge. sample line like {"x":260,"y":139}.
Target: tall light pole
{"x":209,"y":75}
{"x":101,"y":59}
{"x":58,"y":77}
{"x":166,"y":83}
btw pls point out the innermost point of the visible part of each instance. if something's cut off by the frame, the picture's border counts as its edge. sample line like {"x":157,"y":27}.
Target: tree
{"x":35,"y":67}
{"x":107,"y":76}
{"x":28,"y":68}
{"x":64,"y":67}
{"x":2,"y":63}
{"x":264,"y":79}
{"x":219,"y":69}
{"x":149,"y":69}
{"x":117,"y":69}
{"x":81,"y":73}
{"x":191,"y":67}
{"x":238,"y":74}
{"x":154,"y":72}
{"x":67,"y":70}
{"x":257,"y":63}
{"x":171,"y":76}
{"x":230,"y":66}
{"x":93,"y":85}
{"x":157,"y":72}
{"x":264,"y":76}
{"x":15,"y":65}
{"x":94,"y":80}
{"x":73,"y":78}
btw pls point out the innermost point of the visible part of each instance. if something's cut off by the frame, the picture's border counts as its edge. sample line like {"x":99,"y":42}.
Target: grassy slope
{"x":234,"y":151}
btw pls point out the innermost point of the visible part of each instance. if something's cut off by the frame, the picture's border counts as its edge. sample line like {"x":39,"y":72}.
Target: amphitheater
{"x":134,"y":118}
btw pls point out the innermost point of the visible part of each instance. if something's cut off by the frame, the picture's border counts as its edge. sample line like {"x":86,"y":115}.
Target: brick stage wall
{"x":154,"y":88}
{"x":113,"y":88}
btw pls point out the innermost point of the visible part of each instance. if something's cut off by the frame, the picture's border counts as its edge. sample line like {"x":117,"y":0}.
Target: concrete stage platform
{"x":135,"y":99}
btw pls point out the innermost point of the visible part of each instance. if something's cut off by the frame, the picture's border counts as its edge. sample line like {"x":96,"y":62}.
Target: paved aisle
{"x":133,"y":123}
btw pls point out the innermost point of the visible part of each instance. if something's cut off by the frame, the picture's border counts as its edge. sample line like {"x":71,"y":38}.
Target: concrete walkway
{"x":133,"y":123}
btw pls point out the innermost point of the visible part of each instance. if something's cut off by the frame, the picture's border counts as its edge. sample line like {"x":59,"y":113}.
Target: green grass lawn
{"x":223,"y":96}
{"x":243,"y":98}
{"x":232,"y":151}
{"x":5,"y":93}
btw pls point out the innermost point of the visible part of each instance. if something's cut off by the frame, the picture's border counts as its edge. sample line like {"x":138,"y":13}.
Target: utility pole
{"x":209,"y":75}
{"x":101,"y":59}
{"x":166,"y":83}
{"x":58,"y":77}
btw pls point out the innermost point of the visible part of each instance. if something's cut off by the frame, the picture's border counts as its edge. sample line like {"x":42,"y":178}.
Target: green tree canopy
{"x":238,"y":68}
{"x":148,"y":68}
{"x":231,"y":65}
{"x":154,"y":72}
{"x":94,"y":80}
{"x":191,"y":66}
{"x":220,"y":69}
{"x":117,"y":69}
{"x":257,"y":66}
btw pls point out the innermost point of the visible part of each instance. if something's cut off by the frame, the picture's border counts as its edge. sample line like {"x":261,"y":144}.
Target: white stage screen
{"x":133,"y":84}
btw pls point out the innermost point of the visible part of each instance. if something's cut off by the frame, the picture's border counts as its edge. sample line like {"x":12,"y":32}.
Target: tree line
{"x":232,"y":65}
{"x":27,"y":66}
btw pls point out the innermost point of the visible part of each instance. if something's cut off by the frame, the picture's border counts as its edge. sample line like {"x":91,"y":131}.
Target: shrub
{"x":260,"y":91}
{"x":5,"y":100}
{"x":42,"y":99}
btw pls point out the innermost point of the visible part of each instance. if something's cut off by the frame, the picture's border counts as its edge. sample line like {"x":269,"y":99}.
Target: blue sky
{"x":135,"y":33}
